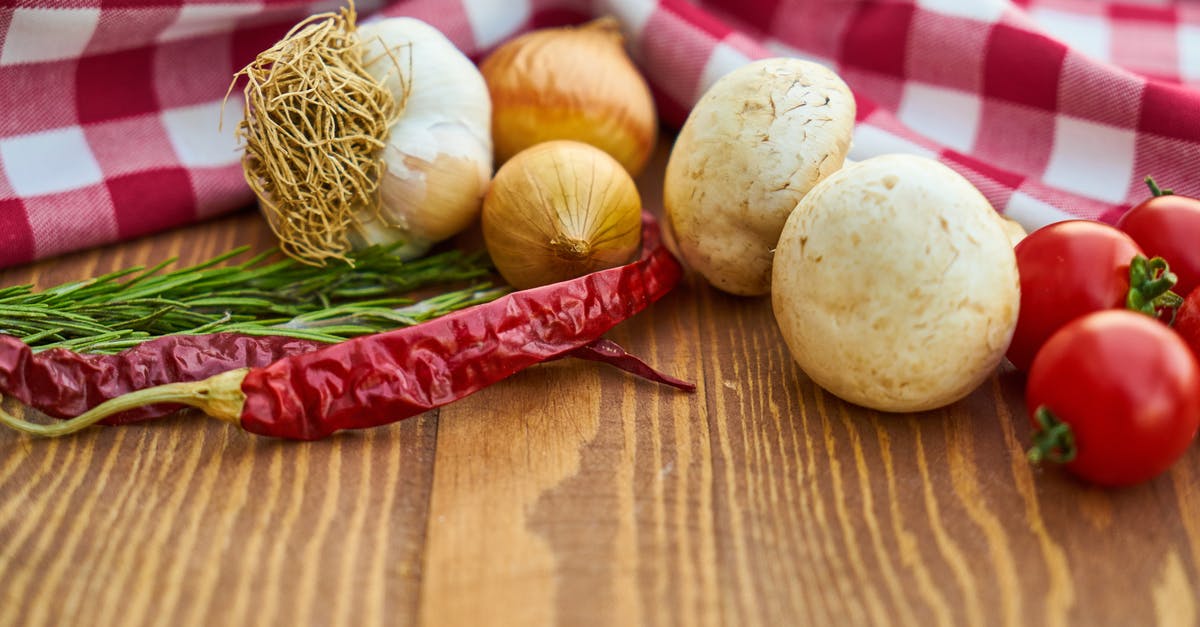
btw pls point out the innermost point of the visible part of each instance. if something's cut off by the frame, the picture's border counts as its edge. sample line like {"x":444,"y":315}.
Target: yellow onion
{"x":560,"y":210}
{"x":570,"y":83}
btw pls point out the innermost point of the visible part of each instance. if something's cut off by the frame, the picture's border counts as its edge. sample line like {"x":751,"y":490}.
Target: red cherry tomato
{"x":1168,"y":226}
{"x":1187,"y":321}
{"x":1067,"y":269}
{"x":1126,"y":388}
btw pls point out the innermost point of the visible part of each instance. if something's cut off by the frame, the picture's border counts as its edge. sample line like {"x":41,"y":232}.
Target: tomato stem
{"x":1150,"y":283}
{"x":1053,"y":439}
{"x":1155,"y":189}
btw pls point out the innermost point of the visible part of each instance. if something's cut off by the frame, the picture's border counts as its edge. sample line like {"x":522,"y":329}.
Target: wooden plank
{"x":187,"y":521}
{"x":557,"y":494}
{"x":572,"y":495}
{"x":575,"y":494}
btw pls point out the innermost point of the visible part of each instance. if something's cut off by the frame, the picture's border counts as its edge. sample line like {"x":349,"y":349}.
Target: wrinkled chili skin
{"x":63,"y":384}
{"x":380,"y":379}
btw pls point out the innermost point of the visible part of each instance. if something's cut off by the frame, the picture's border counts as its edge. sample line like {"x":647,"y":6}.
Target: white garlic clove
{"x":439,"y":152}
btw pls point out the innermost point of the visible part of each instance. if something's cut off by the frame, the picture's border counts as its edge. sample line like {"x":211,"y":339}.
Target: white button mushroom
{"x":895,"y":285}
{"x":751,"y":148}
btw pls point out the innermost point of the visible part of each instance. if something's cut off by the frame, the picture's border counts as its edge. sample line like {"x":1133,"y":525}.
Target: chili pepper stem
{"x":219,"y":396}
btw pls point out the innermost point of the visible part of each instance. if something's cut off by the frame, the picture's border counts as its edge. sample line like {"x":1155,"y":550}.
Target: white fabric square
{"x":1032,"y":213}
{"x":633,"y":14}
{"x":872,"y":141}
{"x":981,"y":10}
{"x":781,"y":49}
{"x":194,"y":134}
{"x":1091,"y":159}
{"x":1089,"y":34}
{"x":1189,"y":52}
{"x":36,"y":35}
{"x":49,"y":162}
{"x":723,"y":60}
{"x":948,"y":116}
{"x":492,"y":22}
{"x":204,"y":19}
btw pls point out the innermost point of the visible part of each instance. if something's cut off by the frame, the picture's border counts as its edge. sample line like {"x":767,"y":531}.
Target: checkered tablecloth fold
{"x":112,"y":123}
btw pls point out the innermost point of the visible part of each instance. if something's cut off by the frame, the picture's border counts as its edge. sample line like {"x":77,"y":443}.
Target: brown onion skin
{"x":572,"y":83}
{"x":560,"y":210}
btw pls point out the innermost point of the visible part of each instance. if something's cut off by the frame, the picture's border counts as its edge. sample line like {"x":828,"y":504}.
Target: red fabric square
{"x":553,"y":16}
{"x":129,"y":24}
{"x":816,"y":27}
{"x":863,"y":107}
{"x":221,"y":190}
{"x":670,"y":112}
{"x":1023,"y":67}
{"x":1158,"y":156}
{"x":877,"y":38}
{"x":448,"y":17}
{"x":36,"y":97}
{"x":947,"y":51}
{"x":677,"y":48}
{"x":759,"y":14}
{"x":16,"y":238}
{"x":1015,"y":137}
{"x":697,"y":18}
{"x":1189,"y":13}
{"x":248,"y":42}
{"x":5,"y":21}
{"x":193,"y":71}
{"x":1150,"y":48}
{"x":70,"y":220}
{"x":98,"y":98}
{"x":1171,"y":111}
{"x":1099,"y":93}
{"x":1149,"y":13}
{"x":146,"y":202}
{"x":995,"y":183}
{"x":110,"y":142}
{"x":881,"y":91}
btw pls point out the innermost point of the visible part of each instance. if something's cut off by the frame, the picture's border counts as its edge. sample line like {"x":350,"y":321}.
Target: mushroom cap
{"x":895,"y":286}
{"x":751,"y":148}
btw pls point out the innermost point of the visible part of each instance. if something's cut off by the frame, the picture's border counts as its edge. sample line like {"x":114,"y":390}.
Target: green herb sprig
{"x":264,"y":295}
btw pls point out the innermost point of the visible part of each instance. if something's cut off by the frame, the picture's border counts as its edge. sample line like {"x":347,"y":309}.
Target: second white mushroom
{"x":895,"y":285}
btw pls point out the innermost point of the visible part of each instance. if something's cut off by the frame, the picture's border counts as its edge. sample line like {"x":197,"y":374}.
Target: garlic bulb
{"x":360,"y":136}
{"x":571,"y":83}
{"x":560,"y":210}
{"x":439,"y":152}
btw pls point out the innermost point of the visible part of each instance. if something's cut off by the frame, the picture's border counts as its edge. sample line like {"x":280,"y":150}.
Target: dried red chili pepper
{"x":62,"y":383}
{"x":379,"y":379}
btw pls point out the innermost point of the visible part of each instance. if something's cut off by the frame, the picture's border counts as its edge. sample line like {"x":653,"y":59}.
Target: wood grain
{"x":572,"y":494}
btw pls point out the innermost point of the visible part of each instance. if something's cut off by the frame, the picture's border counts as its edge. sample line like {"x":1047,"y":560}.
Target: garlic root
{"x":365,"y":135}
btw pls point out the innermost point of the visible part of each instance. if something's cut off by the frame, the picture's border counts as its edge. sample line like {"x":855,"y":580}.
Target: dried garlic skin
{"x":572,"y":83}
{"x":560,"y":210}
{"x":895,"y":285}
{"x":751,"y":148}
{"x":438,"y":156}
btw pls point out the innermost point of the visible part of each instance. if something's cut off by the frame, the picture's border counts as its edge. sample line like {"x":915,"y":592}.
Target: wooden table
{"x":574,"y":494}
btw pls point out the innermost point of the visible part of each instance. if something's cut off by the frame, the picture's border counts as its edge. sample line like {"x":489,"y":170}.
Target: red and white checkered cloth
{"x":109,"y":109}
